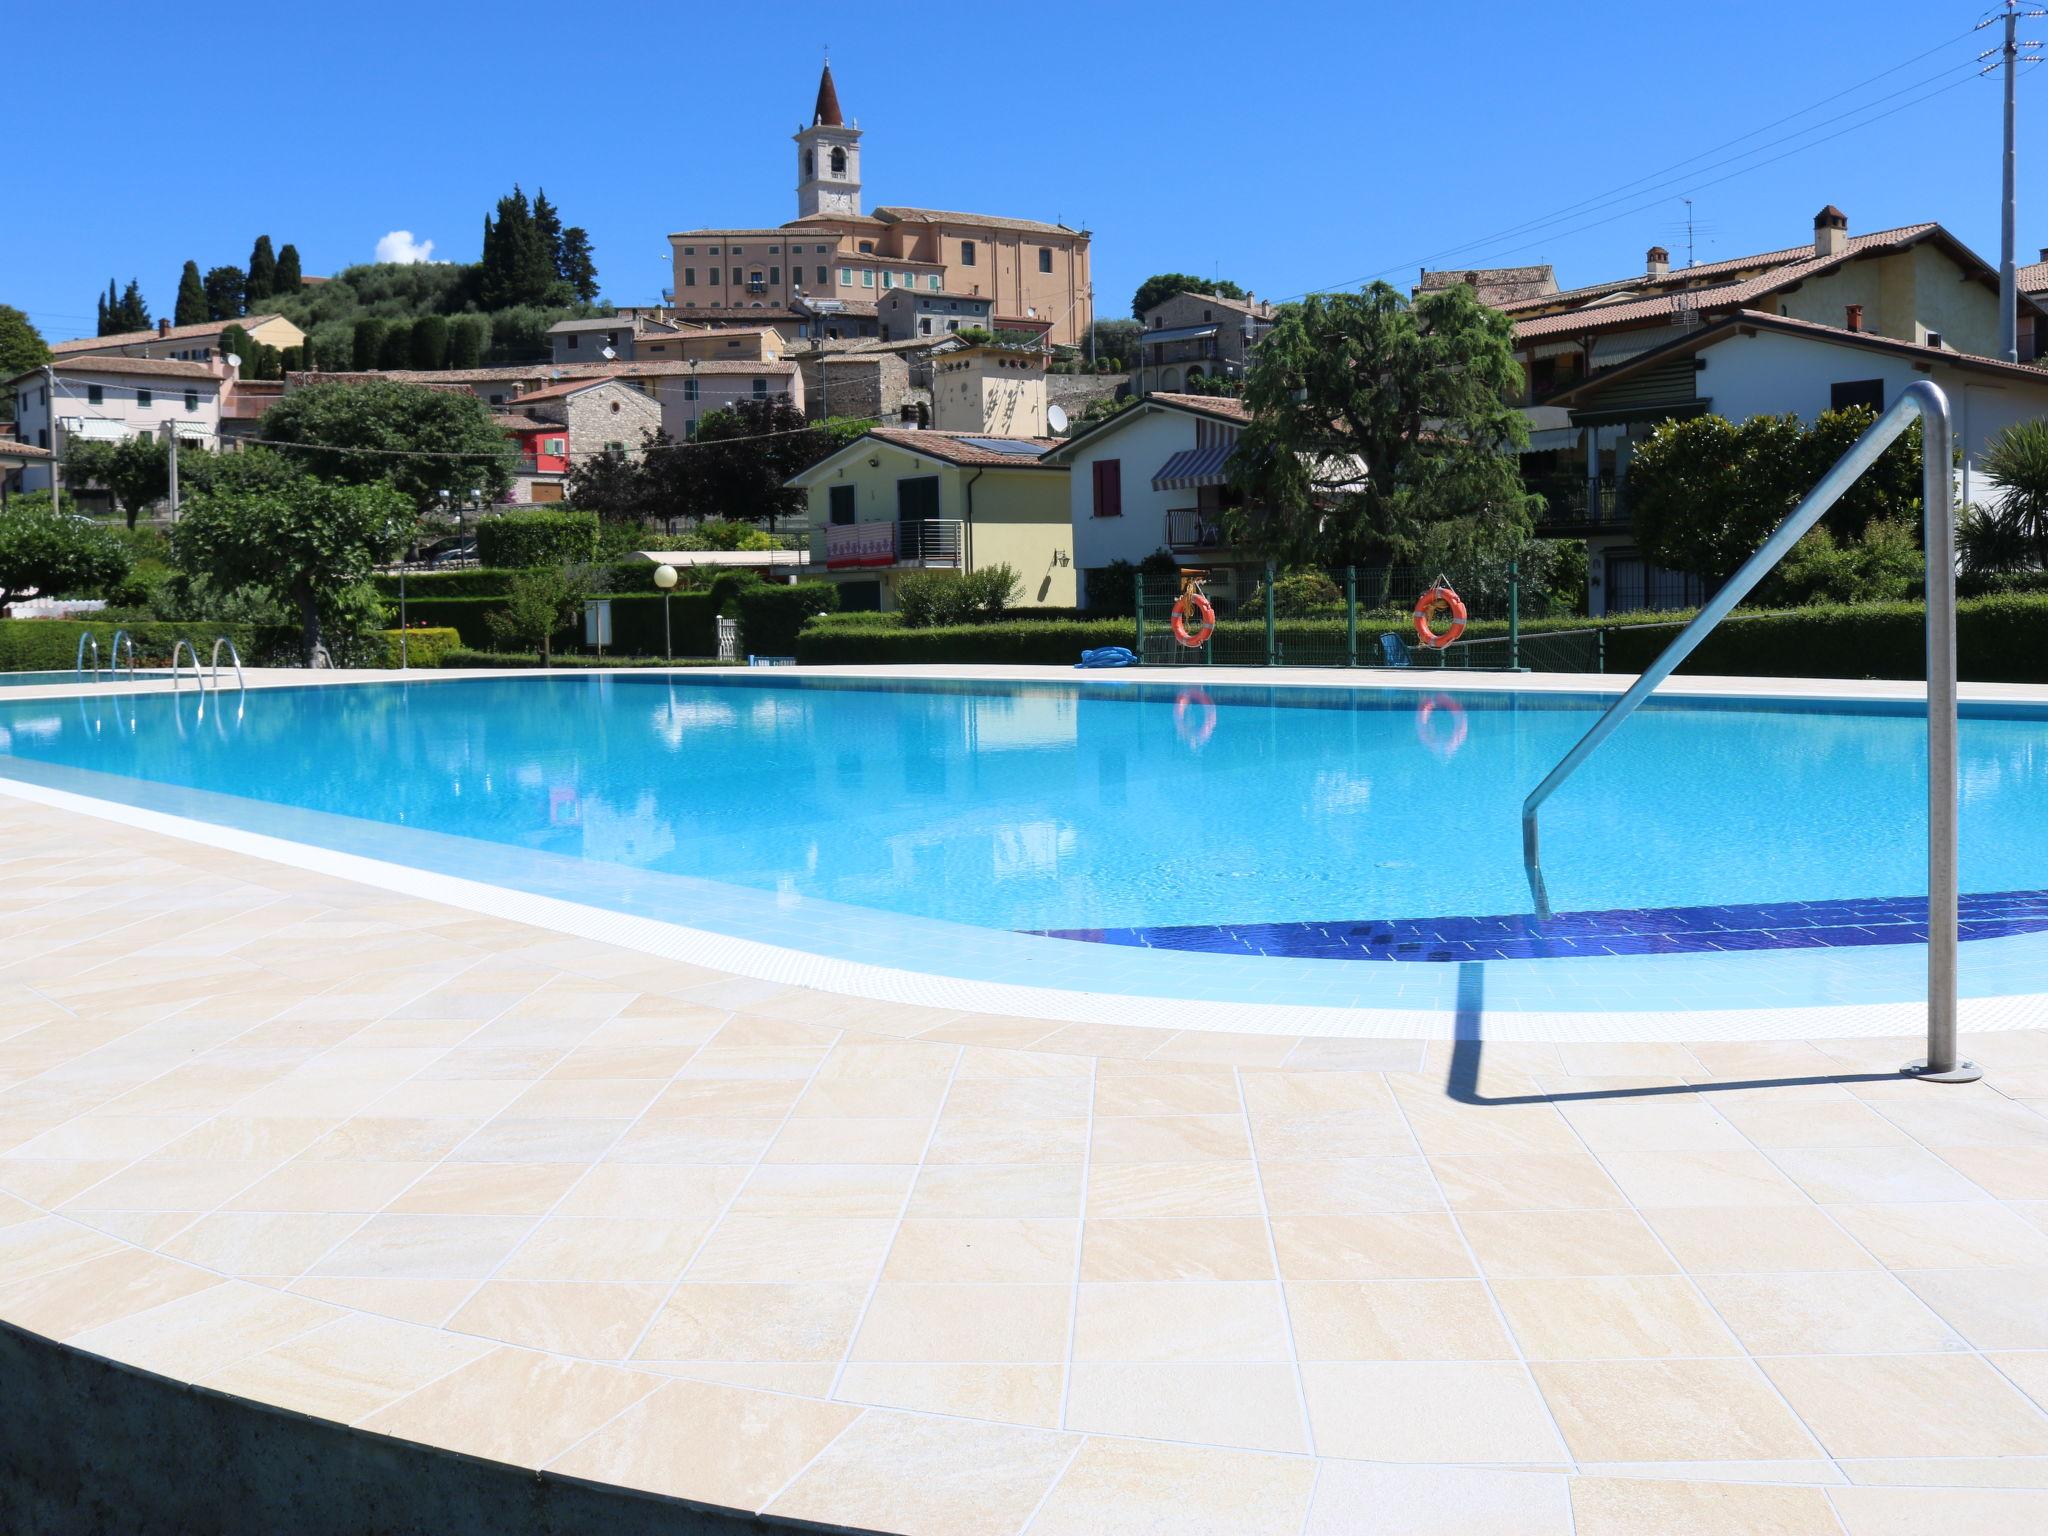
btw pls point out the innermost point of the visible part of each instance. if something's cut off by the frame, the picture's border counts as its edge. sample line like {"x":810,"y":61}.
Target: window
{"x":924,"y":326}
{"x":774,"y":250}
{"x":571,"y":340}
{"x":845,"y":277}
{"x":689,"y":250}
{"x":191,"y":399}
{"x":821,"y":250}
{"x":1868,"y":392}
{"x":952,"y":325}
{"x":932,"y":283}
{"x":690,"y":387}
{"x":888,"y":279}
{"x":94,"y":395}
{"x":966,"y":253}
{"x":1109,"y":487}
{"x":917,"y":500}
{"x":775,"y":275}
{"x":867,"y":247}
{"x":142,"y":399}
{"x":838,"y":160}
{"x":810,"y":164}
{"x":824,"y":276}
{"x":867,"y":277}
{"x":713,"y":250}
{"x":554,"y":445}
{"x":1045,"y":258}
{"x":760,"y":389}
{"x":711,"y":277}
{"x":42,"y":437}
{"x":839,"y":501}
{"x":739,"y":250}
{"x":690,"y":430}
{"x":689,"y":277}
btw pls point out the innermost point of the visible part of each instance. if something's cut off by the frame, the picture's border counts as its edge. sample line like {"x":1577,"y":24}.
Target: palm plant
{"x":2017,"y":462}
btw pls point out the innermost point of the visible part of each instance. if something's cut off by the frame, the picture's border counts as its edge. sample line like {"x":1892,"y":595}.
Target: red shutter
{"x":1109,"y":488}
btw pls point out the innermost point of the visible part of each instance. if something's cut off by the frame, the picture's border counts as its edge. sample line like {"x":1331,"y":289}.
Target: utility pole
{"x":56,"y":447}
{"x":171,"y":437}
{"x":2008,"y":286}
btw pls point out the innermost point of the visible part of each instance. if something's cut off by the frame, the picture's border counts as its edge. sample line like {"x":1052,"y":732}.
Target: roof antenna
{"x":1690,"y":260}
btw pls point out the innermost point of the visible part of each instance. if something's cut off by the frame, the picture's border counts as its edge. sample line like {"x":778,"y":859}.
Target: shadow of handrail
{"x":1467,"y":1045}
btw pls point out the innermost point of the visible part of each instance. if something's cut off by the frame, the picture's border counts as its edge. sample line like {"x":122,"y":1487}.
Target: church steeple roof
{"x":826,"y":113}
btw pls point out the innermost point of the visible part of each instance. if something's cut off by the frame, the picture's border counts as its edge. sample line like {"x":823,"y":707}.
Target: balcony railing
{"x":934,"y":542}
{"x":930,"y":542}
{"x":1194,"y":528}
{"x":1575,"y":501}
{"x":1184,"y":351}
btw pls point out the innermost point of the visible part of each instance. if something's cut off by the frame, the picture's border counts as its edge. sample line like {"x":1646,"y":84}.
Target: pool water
{"x":1193,"y":830}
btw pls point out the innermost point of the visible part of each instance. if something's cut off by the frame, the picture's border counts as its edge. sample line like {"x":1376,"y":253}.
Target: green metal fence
{"x":1363,"y":617}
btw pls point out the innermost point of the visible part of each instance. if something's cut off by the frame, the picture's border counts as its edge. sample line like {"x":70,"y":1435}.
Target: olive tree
{"x":51,"y":553}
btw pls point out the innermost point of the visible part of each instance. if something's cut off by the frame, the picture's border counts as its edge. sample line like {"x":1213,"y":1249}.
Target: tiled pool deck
{"x":547,"y":1201}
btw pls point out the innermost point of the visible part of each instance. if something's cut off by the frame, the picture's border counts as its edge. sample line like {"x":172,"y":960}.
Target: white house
{"x":111,"y":398}
{"x":1151,"y":478}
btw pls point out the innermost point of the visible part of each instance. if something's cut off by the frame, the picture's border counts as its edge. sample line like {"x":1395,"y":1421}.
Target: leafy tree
{"x":577,"y":265}
{"x":736,"y":466}
{"x":46,"y":552}
{"x":135,"y":471}
{"x":1704,"y":493}
{"x":518,"y":265}
{"x":1155,"y":291}
{"x":262,"y":277}
{"x":429,"y":340}
{"x":367,"y":344}
{"x":537,"y":604}
{"x":1881,"y":564}
{"x":21,"y":348}
{"x":313,"y":542}
{"x":1116,"y":341}
{"x":2018,"y":521}
{"x":612,"y":484}
{"x":465,"y":341}
{"x":223,"y":292}
{"x":287,"y":279}
{"x":1377,"y":424}
{"x":420,"y":440}
{"x":191,"y":307}
{"x":122,"y":312}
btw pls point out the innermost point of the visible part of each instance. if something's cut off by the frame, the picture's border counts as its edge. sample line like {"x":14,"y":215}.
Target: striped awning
{"x":1193,"y":467}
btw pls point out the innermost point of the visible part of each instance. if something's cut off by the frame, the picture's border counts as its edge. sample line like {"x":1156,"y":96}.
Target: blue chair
{"x":1393,"y":650}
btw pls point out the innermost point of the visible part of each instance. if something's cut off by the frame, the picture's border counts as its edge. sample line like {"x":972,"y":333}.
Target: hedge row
{"x":1030,"y":642}
{"x":523,"y":540}
{"x":51,"y":645}
{"x":772,"y":616}
{"x":514,"y":661}
{"x":632,"y":576}
{"x":420,"y":647}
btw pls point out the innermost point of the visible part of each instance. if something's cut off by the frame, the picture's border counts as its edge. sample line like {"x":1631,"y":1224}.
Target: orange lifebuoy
{"x":1426,"y":606}
{"x":1193,"y":602}
{"x":1194,"y":718}
{"x":1444,"y":743}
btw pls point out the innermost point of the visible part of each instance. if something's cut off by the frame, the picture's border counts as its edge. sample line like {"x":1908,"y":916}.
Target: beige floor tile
{"x":580,"y":1098}
{"x":387,"y":1138}
{"x":39,"y":1244}
{"x":1006,"y":1394}
{"x":1701,"y":1178}
{"x":1420,"y":1246}
{"x":1538,"y":1181}
{"x":1874,"y":1175}
{"x":652,"y":1191}
{"x":695,"y":1139}
{"x":851,"y":1141}
{"x":595,"y":1322}
{"x":797,"y":1379}
{"x":941,"y":1323}
{"x":1022,"y":1098}
{"x":1916,"y":1235}
{"x":1677,"y":1124}
{"x":1910,"y":1405}
{"x":171,"y":1184}
{"x":822,"y":1249}
{"x":1396,"y":1320}
{"x":190,"y":1336}
{"x":1561,"y":1244}
{"x":824,"y":1189}
{"x":1167,"y":1248}
{"x":1185,"y":1093}
{"x":1006,"y":1139}
{"x":1169,"y":1139}
{"x":1355,"y":1499}
{"x":660,"y":1444}
{"x":311,"y":1185}
{"x":1245,"y":1405}
{"x":1732,"y":1240}
{"x":1614,"y":1506}
{"x":426,"y":1302}
{"x":1940,"y":1511}
{"x":1192,"y":1320}
{"x":1670,"y":1410}
{"x":1119,"y":1487}
{"x":608,"y":1249}
{"x":1332,"y":1134}
{"x":66,"y":1302}
{"x":1975,"y":1118}
{"x":872,"y":1098}
{"x":1029,"y":1189}
{"x":1842,"y":1313}
{"x":1625,"y":1317}
{"x":424,"y":1247}
{"x":257,"y":1242}
{"x":559,"y":1402}
{"x":2010,"y":1173}
{"x":489,"y":1189}
{"x":794,"y":1322}
{"x":1283,"y":1094}
{"x":928,"y":1477}
{"x":1173,"y":1189}
{"x":1429,"y":1411}
{"x":1354,"y":1187}
{"x":1802,"y":1123}
{"x":984,"y":1248}
{"x":348,"y":1368}
{"x":1992,"y":1308}
{"x":1445,"y":1128}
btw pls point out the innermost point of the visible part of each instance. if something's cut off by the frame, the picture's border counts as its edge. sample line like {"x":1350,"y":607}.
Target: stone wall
{"x":874,"y":384}
{"x":1072,"y":391}
{"x":611,"y":413}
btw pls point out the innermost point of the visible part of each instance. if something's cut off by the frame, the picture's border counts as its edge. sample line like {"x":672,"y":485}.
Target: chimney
{"x":163,"y":327}
{"x":1658,"y":261}
{"x":1852,"y":316}
{"x":1830,"y":232}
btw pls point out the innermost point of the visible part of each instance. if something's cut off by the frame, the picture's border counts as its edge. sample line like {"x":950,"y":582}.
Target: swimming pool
{"x":1341,"y":847}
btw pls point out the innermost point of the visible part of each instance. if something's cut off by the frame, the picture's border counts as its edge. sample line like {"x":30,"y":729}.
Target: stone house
{"x":910,"y":312}
{"x":585,"y":341}
{"x":1197,"y":335}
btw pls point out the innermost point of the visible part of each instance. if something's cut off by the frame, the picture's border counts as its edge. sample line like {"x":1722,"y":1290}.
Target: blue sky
{"x":1289,"y":146}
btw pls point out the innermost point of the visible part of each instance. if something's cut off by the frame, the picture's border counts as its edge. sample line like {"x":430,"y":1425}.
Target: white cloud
{"x":400,"y":246}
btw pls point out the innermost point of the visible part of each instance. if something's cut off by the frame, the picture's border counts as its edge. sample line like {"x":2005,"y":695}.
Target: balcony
{"x":1573,"y":501}
{"x":933,"y":543}
{"x":1161,"y":353}
{"x":1194,"y":528}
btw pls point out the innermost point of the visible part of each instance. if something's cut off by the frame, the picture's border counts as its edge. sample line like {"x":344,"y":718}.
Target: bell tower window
{"x":810,"y":163}
{"x":838,"y":160}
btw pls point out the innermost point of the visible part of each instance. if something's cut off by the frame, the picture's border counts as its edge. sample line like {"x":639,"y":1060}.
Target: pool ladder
{"x":89,"y":641}
{"x":1925,"y":401}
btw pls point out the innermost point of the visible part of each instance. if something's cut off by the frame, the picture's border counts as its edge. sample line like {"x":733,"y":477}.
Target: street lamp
{"x":665,"y":578}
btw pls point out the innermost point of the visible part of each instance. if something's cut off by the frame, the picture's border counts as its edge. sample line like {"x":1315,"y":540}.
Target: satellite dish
{"x":234,"y":359}
{"x":610,"y":356}
{"x":1056,"y":418}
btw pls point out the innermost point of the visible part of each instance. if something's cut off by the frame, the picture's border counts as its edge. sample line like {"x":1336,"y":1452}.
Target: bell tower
{"x":827,"y":157}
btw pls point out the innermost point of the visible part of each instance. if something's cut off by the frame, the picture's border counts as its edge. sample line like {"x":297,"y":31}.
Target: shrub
{"x":1883,"y":565}
{"x":51,"y":645}
{"x":991,"y":590}
{"x":537,"y":604}
{"x":1297,"y":593}
{"x":928,"y":598}
{"x":1111,"y":589}
{"x":524,"y":540}
{"x":421,"y":648}
{"x":771,"y":616}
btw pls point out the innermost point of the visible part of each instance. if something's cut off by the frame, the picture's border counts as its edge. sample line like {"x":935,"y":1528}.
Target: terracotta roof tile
{"x":960,"y":448}
{"x":175,"y":333}
{"x":1215,"y":405}
{"x":164,"y":367}
{"x":13,"y":448}
{"x":902,"y":215}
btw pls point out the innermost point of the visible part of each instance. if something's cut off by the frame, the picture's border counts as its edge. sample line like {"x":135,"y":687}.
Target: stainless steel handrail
{"x":121,"y":638}
{"x":198,"y":673}
{"x":87,"y":637}
{"x":1925,"y":401}
{"x":234,"y":656}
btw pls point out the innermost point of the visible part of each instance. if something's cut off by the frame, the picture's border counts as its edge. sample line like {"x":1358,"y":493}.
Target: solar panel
{"x":1005,"y":445}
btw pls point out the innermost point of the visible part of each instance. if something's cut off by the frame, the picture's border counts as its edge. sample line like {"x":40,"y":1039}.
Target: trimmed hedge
{"x":515,"y":661}
{"x":627,"y":576}
{"x":51,"y":645}
{"x":524,"y":539}
{"x":771,"y":616}
{"x":1022,"y":641}
{"x":422,"y":647}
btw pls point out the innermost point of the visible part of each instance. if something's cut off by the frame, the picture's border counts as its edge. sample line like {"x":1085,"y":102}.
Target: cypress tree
{"x":262,"y":279}
{"x":292,"y":359}
{"x":223,"y":292}
{"x":106,"y":310}
{"x":365,"y":344}
{"x":579,"y":268}
{"x":191,"y":308}
{"x":288,"y":278}
{"x":395,"y":351}
{"x":430,"y":342}
{"x":465,"y":342}
{"x":236,"y":342}
{"x":134,"y":314}
{"x":547,"y":224}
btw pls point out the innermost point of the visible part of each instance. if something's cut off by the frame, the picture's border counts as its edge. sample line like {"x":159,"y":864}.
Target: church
{"x":835,"y":257}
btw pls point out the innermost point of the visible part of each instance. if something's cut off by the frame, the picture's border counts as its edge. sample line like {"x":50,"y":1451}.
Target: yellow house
{"x":183,"y":343}
{"x":901,"y":500}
